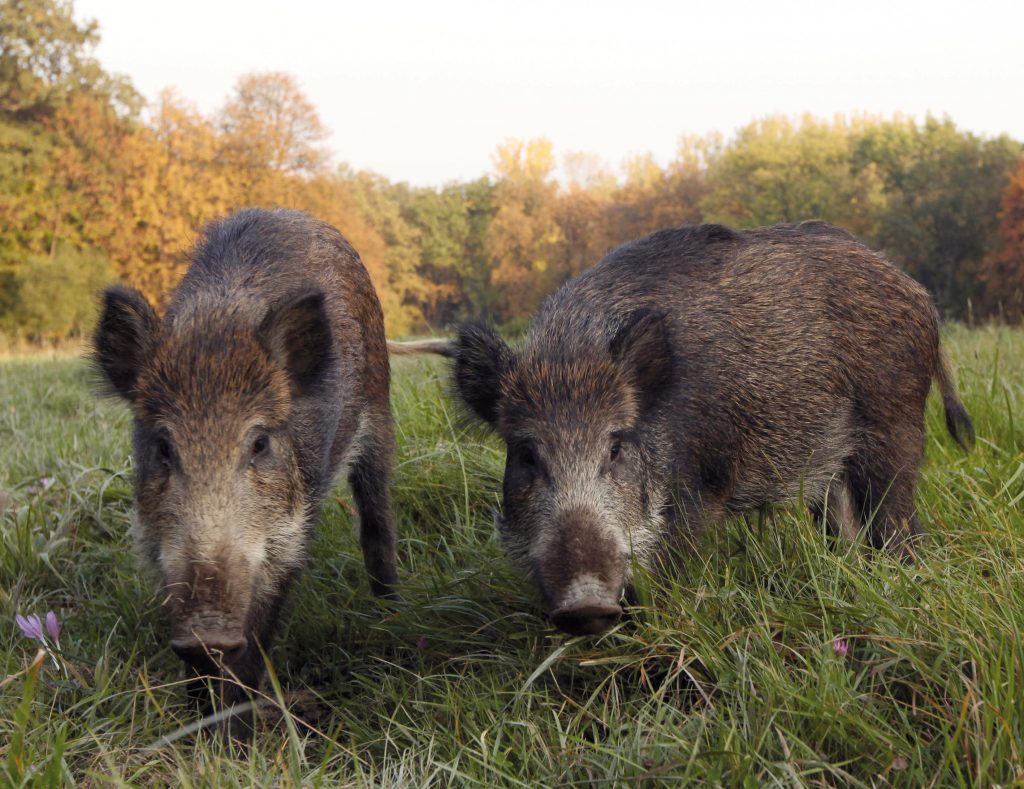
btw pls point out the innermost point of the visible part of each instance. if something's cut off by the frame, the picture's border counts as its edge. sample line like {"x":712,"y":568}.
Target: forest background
{"x":97,"y":186}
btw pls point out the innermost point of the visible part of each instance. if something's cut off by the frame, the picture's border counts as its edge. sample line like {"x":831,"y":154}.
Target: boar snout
{"x":587,"y":617}
{"x":582,"y":573}
{"x":208,"y":650}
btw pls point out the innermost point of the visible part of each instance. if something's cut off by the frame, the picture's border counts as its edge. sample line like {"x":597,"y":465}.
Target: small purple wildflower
{"x":31,"y":627}
{"x":41,"y":485}
{"x":422,"y":642}
{"x":53,"y":627}
{"x":840,"y":647}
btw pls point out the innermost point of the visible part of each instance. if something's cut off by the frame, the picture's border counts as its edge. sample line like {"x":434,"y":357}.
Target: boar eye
{"x":162,"y":450}
{"x":615,"y":450}
{"x":526,"y":457}
{"x":525,"y":462}
{"x":260,"y":445}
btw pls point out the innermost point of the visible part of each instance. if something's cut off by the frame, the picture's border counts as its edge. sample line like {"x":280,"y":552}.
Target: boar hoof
{"x":586,"y":617}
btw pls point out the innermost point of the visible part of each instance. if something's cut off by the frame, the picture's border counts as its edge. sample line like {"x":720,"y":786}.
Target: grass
{"x":728,"y":674}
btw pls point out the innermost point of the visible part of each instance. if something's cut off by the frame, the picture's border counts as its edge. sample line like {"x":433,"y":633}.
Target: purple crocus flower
{"x":31,"y":627}
{"x":840,"y":647}
{"x":53,"y":627}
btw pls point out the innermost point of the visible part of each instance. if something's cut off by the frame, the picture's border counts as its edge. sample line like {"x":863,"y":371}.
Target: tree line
{"x":95,"y":185}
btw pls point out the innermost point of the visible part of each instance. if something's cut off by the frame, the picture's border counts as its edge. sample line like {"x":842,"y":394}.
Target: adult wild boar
{"x":702,"y":372}
{"x":267,"y":376}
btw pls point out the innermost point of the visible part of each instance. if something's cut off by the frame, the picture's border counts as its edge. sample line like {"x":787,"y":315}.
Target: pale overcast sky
{"x":425,"y":91}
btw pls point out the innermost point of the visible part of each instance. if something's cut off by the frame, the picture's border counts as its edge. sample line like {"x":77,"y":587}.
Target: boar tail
{"x":958,"y":421}
{"x":442,"y":347}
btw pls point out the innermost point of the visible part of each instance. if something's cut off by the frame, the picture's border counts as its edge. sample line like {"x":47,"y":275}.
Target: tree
{"x":454,"y":266}
{"x":50,"y":89}
{"x":45,"y":59}
{"x":523,"y":235}
{"x":777,"y":170}
{"x":271,"y":129}
{"x":581,"y":211}
{"x":173,"y":183}
{"x":25,"y":151}
{"x":652,"y":198}
{"x":442,"y":223}
{"x":83,"y":174}
{"x":382,"y":205}
{"x":938,"y":217}
{"x":327,"y":196}
{"x":57,"y":293}
{"x":1002,"y":272}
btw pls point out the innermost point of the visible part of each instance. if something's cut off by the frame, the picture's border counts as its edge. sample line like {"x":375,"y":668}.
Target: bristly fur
{"x":745,"y":368}
{"x":700,"y":372}
{"x":266,"y":378}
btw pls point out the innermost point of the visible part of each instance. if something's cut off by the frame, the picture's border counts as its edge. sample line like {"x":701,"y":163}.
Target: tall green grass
{"x":728,"y":674}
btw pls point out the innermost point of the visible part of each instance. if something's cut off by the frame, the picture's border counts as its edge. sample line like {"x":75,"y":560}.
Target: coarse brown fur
{"x":267,"y":377}
{"x":701,"y":372}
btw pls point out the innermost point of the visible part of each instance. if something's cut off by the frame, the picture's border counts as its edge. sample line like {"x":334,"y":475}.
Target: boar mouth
{"x":588,"y":617}
{"x":211,"y":653}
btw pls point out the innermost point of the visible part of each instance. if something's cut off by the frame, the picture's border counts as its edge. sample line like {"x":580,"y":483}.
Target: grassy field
{"x":730,"y":674}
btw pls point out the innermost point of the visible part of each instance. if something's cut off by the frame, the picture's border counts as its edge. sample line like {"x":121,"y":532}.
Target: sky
{"x":424,"y":92}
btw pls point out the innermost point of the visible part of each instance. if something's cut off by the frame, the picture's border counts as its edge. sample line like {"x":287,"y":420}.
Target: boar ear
{"x":481,"y":359}
{"x":297,"y":334}
{"x":124,"y":339}
{"x":644,"y":349}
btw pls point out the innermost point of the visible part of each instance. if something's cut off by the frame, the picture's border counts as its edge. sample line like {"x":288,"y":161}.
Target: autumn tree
{"x":174,"y":183}
{"x":46,"y":58}
{"x":1002,"y":272}
{"x":87,"y":185}
{"x":61,"y":120}
{"x":651,"y":198}
{"x":84,"y":178}
{"x":686,"y":180}
{"x":524,"y":234}
{"x":327,"y":196}
{"x":382,"y":204}
{"x":581,"y":212}
{"x":272,"y":132}
{"x":24,"y":153}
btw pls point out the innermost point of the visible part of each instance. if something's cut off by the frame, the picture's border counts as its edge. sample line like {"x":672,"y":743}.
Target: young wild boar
{"x":695,"y":374}
{"x":267,"y":376}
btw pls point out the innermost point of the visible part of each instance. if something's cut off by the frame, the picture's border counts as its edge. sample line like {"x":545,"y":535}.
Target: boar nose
{"x":586,"y":617}
{"x":200,"y":648}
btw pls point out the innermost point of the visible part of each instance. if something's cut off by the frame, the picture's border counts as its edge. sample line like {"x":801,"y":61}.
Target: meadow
{"x":770,"y":657}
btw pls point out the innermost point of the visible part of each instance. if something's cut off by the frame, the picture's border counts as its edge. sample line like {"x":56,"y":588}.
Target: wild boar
{"x":266,"y":378}
{"x":698,"y":373}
